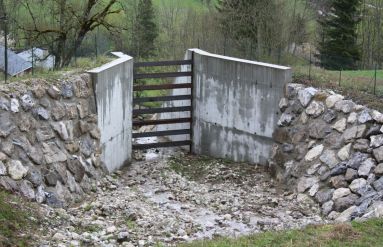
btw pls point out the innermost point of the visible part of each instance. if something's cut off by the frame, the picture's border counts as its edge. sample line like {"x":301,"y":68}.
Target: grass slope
{"x":15,"y":221}
{"x":356,"y":234}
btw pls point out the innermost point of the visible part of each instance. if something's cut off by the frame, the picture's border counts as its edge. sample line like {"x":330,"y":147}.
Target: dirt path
{"x":176,"y":200}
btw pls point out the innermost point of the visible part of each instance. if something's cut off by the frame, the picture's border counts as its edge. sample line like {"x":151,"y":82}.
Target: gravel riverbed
{"x":178,"y":199}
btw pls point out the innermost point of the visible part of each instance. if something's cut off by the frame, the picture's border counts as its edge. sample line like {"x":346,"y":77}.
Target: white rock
{"x":376,"y":210}
{"x":311,"y":144}
{"x":341,"y":192}
{"x":333,"y":215}
{"x":111,"y":229}
{"x":360,"y":108}
{"x":352,"y":117}
{"x":377,"y":116}
{"x":329,"y":158}
{"x":304,"y":118}
{"x":16,"y":170}
{"x":376,"y":141}
{"x":226,"y":217}
{"x":366,"y":167}
{"x":40,"y":194}
{"x":327,"y":207}
{"x":314,"y":189}
{"x":346,"y":106}
{"x":346,"y":215}
{"x":364,"y":117}
{"x":314,"y":153}
{"x":305,"y":95}
{"x":59,"y":236}
{"x":345,"y":152}
{"x":305,"y":183}
{"x":285,"y":119}
{"x":283,"y":104}
{"x":15,"y":105}
{"x":304,"y":199}
{"x":3,"y":156}
{"x":331,"y":100}
{"x":340,"y":125}
{"x":3,"y":169}
{"x":313,"y":169}
{"x":61,"y":129}
{"x":358,"y":185}
{"x":315,"y":109}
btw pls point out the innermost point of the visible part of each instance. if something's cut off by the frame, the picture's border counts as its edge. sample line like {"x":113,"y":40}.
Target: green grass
{"x":364,"y":73}
{"x":356,"y":234}
{"x":361,"y":80}
{"x":15,"y":222}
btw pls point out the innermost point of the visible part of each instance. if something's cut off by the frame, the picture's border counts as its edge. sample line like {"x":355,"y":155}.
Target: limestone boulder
{"x":345,"y":106}
{"x":306,"y":183}
{"x":52,"y":153}
{"x":366,"y":167}
{"x":346,"y":215}
{"x":285,"y":119}
{"x":340,"y":125}
{"x":7,"y":126}
{"x":314,"y":153}
{"x":378,"y":154}
{"x":364,"y":117}
{"x":345,"y":152}
{"x":376,"y":141}
{"x":16,"y":170}
{"x":333,"y":99}
{"x":305,"y":95}
{"x":358,"y":186}
{"x":341,"y":192}
{"x":344,"y":203}
{"x":315,"y":109}
{"x":329,"y":157}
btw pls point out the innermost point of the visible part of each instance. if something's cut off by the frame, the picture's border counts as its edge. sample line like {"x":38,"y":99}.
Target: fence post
{"x":5,"y":48}
{"x":95,"y":44}
{"x":376,"y":67}
{"x":310,"y":66}
{"x":340,"y":77}
{"x":33,"y":61}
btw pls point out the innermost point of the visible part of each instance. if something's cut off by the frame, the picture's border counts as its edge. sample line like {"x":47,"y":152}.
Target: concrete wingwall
{"x":113,"y":85}
{"x":236,"y":106}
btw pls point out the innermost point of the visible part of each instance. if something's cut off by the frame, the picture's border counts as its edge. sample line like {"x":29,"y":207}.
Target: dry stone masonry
{"x":332,"y":149}
{"x":49,"y":139}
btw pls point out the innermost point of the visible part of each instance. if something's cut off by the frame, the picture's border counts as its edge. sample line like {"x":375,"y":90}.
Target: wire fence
{"x":301,"y":58}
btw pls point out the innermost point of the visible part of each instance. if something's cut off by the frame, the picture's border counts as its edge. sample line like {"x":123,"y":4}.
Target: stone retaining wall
{"x":49,"y":139}
{"x":332,"y":150}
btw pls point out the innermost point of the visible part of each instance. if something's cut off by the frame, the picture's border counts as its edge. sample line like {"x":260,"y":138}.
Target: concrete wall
{"x":235,"y":106}
{"x":113,"y":85}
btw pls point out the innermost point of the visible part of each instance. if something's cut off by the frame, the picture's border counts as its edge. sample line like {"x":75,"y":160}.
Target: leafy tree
{"x":145,"y":30}
{"x":258,"y":24}
{"x":338,"y":46}
{"x":62,"y":25}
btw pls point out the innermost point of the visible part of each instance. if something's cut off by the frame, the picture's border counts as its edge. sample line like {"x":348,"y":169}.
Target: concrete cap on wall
{"x":204,"y":53}
{"x":122,"y":57}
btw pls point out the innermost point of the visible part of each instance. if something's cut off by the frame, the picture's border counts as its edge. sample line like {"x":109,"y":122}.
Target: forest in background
{"x":277,"y":31}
